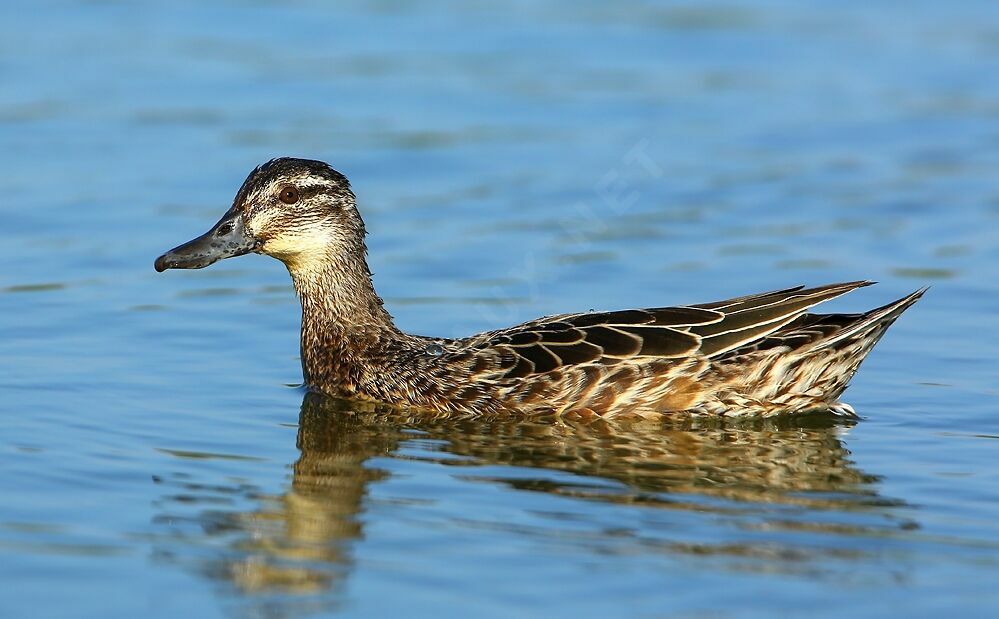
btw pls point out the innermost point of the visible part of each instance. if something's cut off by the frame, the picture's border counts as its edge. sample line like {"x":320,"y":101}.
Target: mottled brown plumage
{"x":756,"y":355}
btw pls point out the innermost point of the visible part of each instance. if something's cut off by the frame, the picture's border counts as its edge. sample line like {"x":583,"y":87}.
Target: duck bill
{"x":228,"y":238}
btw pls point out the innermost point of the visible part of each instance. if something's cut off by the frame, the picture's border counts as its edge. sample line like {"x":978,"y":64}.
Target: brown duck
{"x":756,"y":355}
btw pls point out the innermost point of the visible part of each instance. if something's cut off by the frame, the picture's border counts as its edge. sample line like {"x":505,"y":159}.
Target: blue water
{"x":511,"y":159}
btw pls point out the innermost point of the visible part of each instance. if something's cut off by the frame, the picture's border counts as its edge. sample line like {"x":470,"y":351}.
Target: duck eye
{"x":288,"y":195}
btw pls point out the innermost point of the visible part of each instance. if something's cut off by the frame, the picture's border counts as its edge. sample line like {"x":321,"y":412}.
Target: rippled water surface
{"x":512,"y":159}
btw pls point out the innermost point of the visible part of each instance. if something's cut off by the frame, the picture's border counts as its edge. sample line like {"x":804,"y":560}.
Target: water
{"x":512,"y":160}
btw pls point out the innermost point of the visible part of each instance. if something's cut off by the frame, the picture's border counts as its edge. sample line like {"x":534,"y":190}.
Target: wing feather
{"x":615,"y":342}
{"x":709,"y":329}
{"x":752,"y":318}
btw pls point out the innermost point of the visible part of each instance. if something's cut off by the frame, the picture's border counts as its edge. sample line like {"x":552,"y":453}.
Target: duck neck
{"x":345,"y":327}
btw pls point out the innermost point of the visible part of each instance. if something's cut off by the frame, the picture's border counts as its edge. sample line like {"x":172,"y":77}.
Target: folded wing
{"x":709,"y":330}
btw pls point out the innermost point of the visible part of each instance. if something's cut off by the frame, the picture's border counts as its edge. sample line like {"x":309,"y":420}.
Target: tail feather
{"x":809,"y":363}
{"x":873,"y":324}
{"x":839,"y":355}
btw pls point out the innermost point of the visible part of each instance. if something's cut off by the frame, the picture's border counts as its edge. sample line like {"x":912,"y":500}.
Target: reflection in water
{"x":785,"y":475}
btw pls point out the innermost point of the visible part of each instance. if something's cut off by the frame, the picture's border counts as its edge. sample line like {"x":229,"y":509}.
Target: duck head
{"x":299,"y":211}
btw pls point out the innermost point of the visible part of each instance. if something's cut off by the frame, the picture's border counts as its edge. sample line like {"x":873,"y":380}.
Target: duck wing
{"x":704,"y":330}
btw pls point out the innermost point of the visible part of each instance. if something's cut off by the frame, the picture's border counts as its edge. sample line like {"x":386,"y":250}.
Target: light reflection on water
{"x":767,"y":483}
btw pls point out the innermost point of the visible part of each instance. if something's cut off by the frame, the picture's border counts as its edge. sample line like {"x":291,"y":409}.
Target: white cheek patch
{"x":299,"y":241}
{"x":301,"y":248}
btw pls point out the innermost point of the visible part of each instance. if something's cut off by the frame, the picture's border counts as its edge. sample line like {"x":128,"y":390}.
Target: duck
{"x":759,"y":355}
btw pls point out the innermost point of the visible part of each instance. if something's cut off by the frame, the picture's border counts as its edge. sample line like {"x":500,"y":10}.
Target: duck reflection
{"x":301,"y":541}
